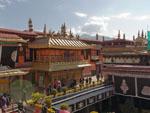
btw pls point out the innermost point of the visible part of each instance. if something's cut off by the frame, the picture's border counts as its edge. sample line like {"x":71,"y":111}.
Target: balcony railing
{"x":58,"y":58}
{"x":56,"y":63}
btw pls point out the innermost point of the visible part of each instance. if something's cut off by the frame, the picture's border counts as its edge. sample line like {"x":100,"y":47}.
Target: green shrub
{"x":37,"y":96}
{"x":48,"y":101}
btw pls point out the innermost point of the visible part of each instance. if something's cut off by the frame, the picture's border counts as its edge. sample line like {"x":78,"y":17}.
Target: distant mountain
{"x":100,"y":37}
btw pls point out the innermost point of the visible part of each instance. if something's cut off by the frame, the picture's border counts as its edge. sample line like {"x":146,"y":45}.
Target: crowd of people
{"x":4,"y":102}
{"x":58,"y":85}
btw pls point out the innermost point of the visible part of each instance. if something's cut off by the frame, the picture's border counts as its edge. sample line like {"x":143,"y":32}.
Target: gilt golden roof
{"x":61,"y":43}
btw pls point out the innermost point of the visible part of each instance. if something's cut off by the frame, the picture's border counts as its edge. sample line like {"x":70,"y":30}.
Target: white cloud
{"x":95,"y":24}
{"x":92,"y":29}
{"x":122,"y":15}
{"x":2,"y":6}
{"x":129,"y":16}
{"x":104,"y":25}
{"x":76,"y":30}
{"x":114,"y":33}
{"x":79,"y":14}
{"x":99,"y":18}
{"x":5,"y":3}
{"x":144,"y":17}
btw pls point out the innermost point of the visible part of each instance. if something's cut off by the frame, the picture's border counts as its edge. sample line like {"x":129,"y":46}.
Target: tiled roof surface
{"x":39,"y":33}
{"x":90,"y":40}
{"x":10,"y":38}
{"x":118,"y":40}
{"x":12,"y":31}
{"x":12,"y":72}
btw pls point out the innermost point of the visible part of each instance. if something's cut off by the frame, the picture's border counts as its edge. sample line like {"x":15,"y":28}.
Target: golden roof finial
{"x":45,"y":30}
{"x":30,"y":25}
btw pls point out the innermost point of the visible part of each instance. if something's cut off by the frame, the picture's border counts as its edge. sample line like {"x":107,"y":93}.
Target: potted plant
{"x":30,"y":102}
{"x":54,"y":92}
{"x":48,"y":101}
{"x":64,"y":90}
{"x":93,"y":83}
{"x":81,"y":86}
{"x":64,"y":108}
{"x":100,"y":82}
{"x":50,"y":110}
{"x":36,"y":97}
{"x":93,"y":112}
{"x":75,"y":88}
{"x":87,"y":84}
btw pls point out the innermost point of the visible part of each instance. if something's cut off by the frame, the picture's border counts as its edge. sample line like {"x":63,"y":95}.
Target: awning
{"x":12,"y":72}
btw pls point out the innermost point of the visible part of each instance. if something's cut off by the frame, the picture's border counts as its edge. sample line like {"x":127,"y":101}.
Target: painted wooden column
{"x":33,"y":58}
{"x":21,"y":85}
{"x":46,"y":79}
{"x":36,"y":77}
{"x":9,"y":82}
{"x":113,"y":79}
{"x":136,"y":89}
{"x":20,"y":55}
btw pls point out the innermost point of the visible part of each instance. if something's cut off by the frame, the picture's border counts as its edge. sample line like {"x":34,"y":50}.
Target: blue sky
{"x":83,"y":16}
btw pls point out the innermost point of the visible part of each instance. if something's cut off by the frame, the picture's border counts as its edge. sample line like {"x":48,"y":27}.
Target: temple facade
{"x":59,"y":58}
{"x":96,"y":56}
{"x":42,"y":57}
{"x":127,"y":67}
{"x":11,"y":56}
{"x":122,"y":51}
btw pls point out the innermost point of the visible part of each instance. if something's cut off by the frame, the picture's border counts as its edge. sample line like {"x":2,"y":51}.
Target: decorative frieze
{"x":143,"y":85}
{"x":125,"y":74}
{"x":132,"y":86}
{"x":99,"y":97}
{"x":91,"y":100}
{"x":125,"y":85}
{"x":81,"y":104}
{"x":122,"y":60}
